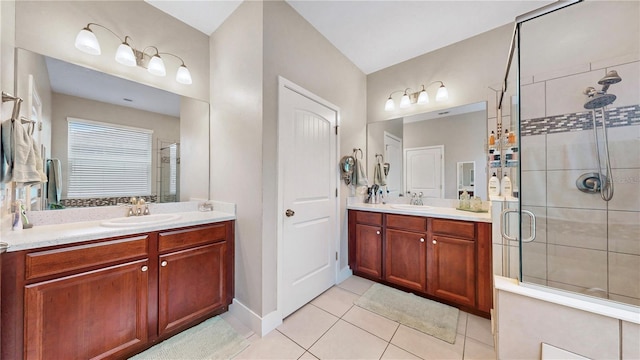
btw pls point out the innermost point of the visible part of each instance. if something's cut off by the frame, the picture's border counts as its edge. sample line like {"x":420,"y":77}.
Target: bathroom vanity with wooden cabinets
{"x":448,"y":260}
{"x":113,"y":297}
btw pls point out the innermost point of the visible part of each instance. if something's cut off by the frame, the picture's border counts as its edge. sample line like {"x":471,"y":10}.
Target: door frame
{"x":441,"y":147}
{"x":284,"y":85}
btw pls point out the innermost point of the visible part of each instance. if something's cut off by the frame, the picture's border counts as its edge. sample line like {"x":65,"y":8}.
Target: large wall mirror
{"x":425,"y":152}
{"x":104,"y":139}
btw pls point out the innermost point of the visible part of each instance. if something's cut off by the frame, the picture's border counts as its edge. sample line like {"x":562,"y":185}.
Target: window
{"x":107,"y":160}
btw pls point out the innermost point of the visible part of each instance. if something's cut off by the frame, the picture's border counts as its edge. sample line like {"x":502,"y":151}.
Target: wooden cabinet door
{"x":369,"y":250}
{"x":191,"y":284}
{"x":451,"y":269}
{"x":405,"y":259}
{"x":91,"y":315}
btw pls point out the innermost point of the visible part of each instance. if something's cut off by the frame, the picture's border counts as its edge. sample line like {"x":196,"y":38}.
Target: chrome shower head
{"x":599,"y":100}
{"x":611,"y":78}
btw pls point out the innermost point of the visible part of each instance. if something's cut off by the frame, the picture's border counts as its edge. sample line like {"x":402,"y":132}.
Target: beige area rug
{"x":422,"y":314}
{"x":212,"y":339}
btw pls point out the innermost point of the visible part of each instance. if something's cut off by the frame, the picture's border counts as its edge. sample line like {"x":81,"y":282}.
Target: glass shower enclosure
{"x":169,"y":173}
{"x":573,"y":100}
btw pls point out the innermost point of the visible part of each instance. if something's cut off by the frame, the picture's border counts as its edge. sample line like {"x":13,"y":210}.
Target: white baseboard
{"x":344,"y":274}
{"x":259,"y":325}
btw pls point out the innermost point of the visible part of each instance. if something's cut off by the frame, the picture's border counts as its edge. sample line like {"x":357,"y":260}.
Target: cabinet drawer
{"x":455,"y":228}
{"x":181,"y":239}
{"x":406,"y":222}
{"x":43,"y":263}
{"x":365,"y":217}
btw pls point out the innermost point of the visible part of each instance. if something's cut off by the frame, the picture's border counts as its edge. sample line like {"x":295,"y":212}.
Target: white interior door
{"x":424,"y":171}
{"x":393,"y":155}
{"x":308,"y":164}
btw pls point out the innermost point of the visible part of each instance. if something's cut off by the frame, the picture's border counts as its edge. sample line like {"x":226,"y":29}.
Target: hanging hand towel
{"x":359,"y":176}
{"x":27,"y":163}
{"x":54,"y":187}
{"x":379,"y":178}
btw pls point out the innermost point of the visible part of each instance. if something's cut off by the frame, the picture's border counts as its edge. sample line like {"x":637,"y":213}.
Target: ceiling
{"x":374,"y":34}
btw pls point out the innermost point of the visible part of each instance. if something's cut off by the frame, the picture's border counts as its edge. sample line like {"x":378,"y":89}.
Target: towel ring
{"x":379,"y":158}
{"x":355,"y":153}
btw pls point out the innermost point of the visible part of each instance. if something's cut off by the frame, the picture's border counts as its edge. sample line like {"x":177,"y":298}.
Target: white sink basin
{"x":411,"y":207}
{"x":143,"y":220}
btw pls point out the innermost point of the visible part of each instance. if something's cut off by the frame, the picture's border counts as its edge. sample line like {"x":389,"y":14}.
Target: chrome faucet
{"x":137,"y":207}
{"x":416,"y":199}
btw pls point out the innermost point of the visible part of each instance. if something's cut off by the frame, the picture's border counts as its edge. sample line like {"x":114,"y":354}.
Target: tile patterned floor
{"x":331,"y":327}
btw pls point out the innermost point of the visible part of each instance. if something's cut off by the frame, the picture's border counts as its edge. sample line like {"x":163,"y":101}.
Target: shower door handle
{"x":503,"y":228}
{"x":503,"y":221}
{"x":532,"y":225}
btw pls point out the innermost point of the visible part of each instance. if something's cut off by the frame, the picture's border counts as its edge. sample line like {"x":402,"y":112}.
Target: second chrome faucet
{"x":138,"y":207}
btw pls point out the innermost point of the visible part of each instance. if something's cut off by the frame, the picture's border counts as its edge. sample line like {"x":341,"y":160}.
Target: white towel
{"x":27,"y":163}
{"x":379,"y":178}
{"x":359,"y":176}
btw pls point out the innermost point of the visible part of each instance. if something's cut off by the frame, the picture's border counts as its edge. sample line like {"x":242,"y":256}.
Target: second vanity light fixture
{"x":87,"y":42}
{"x":419,"y":97}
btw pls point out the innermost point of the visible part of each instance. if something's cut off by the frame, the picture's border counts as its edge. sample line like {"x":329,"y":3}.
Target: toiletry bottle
{"x":512,"y":138}
{"x":494,"y":185}
{"x":505,"y":186}
{"x":492,"y":139}
{"x":505,"y":138}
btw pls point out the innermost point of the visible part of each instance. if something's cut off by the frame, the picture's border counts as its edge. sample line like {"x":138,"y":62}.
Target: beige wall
{"x":50,"y":28}
{"x":306,"y":58}
{"x":467,"y":68}
{"x":248,"y":52}
{"x":163,"y":126}
{"x":236,"y":139}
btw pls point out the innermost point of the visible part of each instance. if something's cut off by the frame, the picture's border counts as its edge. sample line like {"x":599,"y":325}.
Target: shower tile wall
{"x":583,"y":243}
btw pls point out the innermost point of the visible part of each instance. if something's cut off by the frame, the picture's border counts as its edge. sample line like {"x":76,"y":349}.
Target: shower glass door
{"x":580,"y":175}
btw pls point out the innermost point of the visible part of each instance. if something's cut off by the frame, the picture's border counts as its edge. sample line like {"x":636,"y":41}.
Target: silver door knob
{"x":421,"y":239}
{"x":377,"y":232}
{"x":434,"y":242}
{"x":144,"y":268}
{"x":164,"y":263}
{"x":290,"y":213}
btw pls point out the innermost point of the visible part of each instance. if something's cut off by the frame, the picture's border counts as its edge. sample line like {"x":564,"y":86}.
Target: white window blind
{"x":107,"y":160}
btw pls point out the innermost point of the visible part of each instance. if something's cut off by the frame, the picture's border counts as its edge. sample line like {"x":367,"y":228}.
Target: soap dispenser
{"x":494,"y":185}
{"x":505,"y":186}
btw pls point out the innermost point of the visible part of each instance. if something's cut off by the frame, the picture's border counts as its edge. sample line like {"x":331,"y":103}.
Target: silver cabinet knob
{"x":434,"y":242}
{"x":290,"y":213}
{"x":164,"y":263}
{"x":421,"y":239}
{"x":378,"y":232}
{"x":144,"y":268}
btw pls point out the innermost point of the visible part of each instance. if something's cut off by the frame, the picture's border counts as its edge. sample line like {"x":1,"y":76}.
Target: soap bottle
{"x":465,"y":200}
{"x":494,"y":185}
{"x":505,"y":138}
{"x":512,"y":138}
{"x":492,"y":139}
{"x":505,"y":186}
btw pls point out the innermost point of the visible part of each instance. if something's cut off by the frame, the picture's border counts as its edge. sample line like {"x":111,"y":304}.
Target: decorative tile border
{"x":90,"y":202}
{"x":616,"y":117}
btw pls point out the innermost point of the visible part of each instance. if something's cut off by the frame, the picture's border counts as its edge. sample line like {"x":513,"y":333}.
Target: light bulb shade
{"x":125,"y":56}
{"x":183,"y":76}
{"x":442,"y":93}
{"x":423,"y":97}
{"x":156,"y":66}
{"x":405,"y":102}
{"x":87,"y":42}
{"x":389,"y":105}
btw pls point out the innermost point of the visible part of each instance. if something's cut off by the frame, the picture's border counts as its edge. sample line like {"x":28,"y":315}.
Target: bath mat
{"x":430,"y":317}
{"x":212,"y":339}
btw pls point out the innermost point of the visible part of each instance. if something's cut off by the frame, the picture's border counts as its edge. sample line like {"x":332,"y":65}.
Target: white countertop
{"x":432,"y":211}
{"x":68,"y":233}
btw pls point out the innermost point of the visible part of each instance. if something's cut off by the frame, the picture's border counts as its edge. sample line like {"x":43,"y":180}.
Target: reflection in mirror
{"x":430,"y":147}
{"x":104,"y":139}
{"x":466,"y":175}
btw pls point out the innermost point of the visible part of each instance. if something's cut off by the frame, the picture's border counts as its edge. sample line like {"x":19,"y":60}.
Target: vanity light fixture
{"x":127,"y":55}
{"x":419,"y":97}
